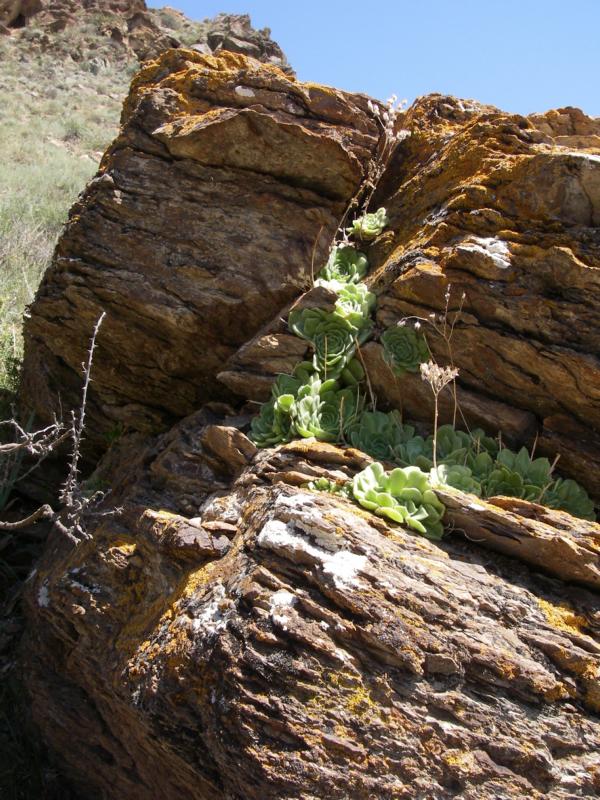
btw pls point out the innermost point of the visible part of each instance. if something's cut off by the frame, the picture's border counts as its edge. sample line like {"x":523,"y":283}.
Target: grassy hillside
{"x":56,"y":117}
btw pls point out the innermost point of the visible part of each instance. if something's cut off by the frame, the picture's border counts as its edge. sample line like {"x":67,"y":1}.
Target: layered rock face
{"x":198,"y":229}
{"x":507,"y":211}
{"x":233,"y":635}
{"x":226,"y":632}
{"x":495,"y":229}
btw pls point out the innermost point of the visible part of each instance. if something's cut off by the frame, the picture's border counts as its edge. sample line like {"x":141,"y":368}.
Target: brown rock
{"x":198,"y":229}
{"x":320,"y":652}
{"x":504,"y":210}
{"x":15,"y":13}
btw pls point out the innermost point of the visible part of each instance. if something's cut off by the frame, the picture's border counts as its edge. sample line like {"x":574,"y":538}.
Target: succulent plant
{"x":403,"y":495}
{"x":369,"y":226}
{"x":273,"y":424}
{"x":326,"y":485}
{"x":457,"y":476}
{"x":332,"y":337}
{"x":379,"y":434}
{"x":415,"y":451}
{"x":353,"y":374}
{"x":345,"y":264}
{"x":481,"y":465}
{"x":404,"y":349}
{"x":325,"y":411}
{"x":518,"y":475}
{"x":354,"y":304}
{"x":286,"y":384}
{"x":568,"y":495}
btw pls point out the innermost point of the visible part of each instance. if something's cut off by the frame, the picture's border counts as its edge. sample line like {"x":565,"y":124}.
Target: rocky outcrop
{"x":231,"y":634}
{"x":226,"y":632}
{"x":16,"y":13}
{"x":508,"y":214}
{"x":124,"y":29}
{"x":500,"y":211}
{"x":236,"y":34}
{"x":198,"y":229}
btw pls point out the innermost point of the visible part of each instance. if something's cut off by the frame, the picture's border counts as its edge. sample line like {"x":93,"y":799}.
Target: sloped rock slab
{"x":199,"y":227}
{"x":317,"y":652}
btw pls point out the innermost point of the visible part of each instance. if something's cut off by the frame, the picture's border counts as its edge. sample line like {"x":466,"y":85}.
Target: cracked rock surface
{"x":234,"y":635}
{"x":227,"y":633}
{"x":198,"y":228}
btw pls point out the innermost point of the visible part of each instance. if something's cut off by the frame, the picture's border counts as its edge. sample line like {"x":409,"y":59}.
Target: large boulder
{"x":230,"y":634}
{"x":495,"y":216}
{"x":226,"y":178}
{"x":226,"y":632}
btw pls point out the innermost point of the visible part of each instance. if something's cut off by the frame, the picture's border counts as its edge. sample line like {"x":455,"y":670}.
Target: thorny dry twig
{"x":75,"y":503}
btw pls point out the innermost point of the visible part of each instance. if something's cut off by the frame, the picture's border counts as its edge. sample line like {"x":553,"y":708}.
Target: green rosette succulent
{"x":503,"y":481}
{"x":326,"y":485}
{"x":355,"y":304}
{"x":273,"y":425}
{"x":303,"y":371}
{"x":325,"y":411}
{"x":481,"y":465}
{"x":345,"y":264}
{"x":369,"y":226}
{"x":518,"y":475}
{"x":535,"y":472}
{"x":415,"y":451}
{"x":286,"y":384}
{"x":353,"y":374}
{"x":404,"y":496}
{"x":456,"y":476}
{"x":379,"y":434}
{"x":404,"y":349}
{"x":568,"y":495}
{"x":333,"y":338}
{"x":482,"y":443}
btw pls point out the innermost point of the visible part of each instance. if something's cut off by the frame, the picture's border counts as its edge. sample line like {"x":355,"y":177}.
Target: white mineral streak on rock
{"x":214,"y":615}
{"x":490,"y":247}
{"x":281,"y":601}
{"x":343,"y":566}
{"x":244,"y":91}
{"x":585,"y":156}
{"x":43,"y":595}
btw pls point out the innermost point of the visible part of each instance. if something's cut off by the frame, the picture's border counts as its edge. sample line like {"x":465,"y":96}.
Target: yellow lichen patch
{"x":577,"y":662}
{"x":592,"y":694}
{"x":560,"y":691}
{"x":360,"y":702}
{"x":198,"y":577}
{"x":124,"y":546}
{"x":562,"y":616}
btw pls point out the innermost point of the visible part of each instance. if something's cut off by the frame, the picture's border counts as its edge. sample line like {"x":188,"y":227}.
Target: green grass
{"x":56,"y":118}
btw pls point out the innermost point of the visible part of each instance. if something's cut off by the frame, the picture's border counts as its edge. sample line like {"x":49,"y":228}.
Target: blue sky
{"x":520,"y":55}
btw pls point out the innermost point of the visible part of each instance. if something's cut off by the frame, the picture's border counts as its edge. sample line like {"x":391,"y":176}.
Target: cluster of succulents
{"x":325,"y":398}
{"x":334,"y":336}
{"x":303,"y":405}
{"x":472,"y":462}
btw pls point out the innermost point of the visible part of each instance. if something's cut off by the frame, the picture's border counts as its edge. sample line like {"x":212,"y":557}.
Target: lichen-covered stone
{"x":313,"y":651}
{"x":197,"y":230}
{"x":227,"y":633}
